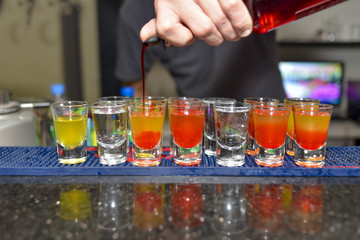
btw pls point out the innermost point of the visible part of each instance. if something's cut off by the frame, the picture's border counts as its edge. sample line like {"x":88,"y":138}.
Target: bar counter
{"x":42,"y":199}
{"x":183,"y":207}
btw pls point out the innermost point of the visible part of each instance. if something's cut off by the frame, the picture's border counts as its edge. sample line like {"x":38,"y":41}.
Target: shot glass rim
{"x":278,"y":107}
{"x":310,"y":106}
{"x":254,"y":100}
{"x":214,"y":100}
{"x":233,"y":107}
{"x":295,"y":100}
{"x":182,"y":98}
{"x":112,"y":104}
{"x":138,"y":104}
{"x":115,"y":99}
{"x":69,"y":104}
{"x":193,"y":104}
{"x":152,"y":98}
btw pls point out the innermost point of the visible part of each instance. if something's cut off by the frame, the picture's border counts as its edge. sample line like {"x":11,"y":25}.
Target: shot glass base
{"x":72,"y":160}
{"x":310,"y":158}
{"x":113,"y":156}
{"x":228,"y":156}
{"x":112,"y":160}
{"x":289,"y":145}
{"x":269,"y":157}
{"x":146,"y":158}
{"x":209,"y":146}
{"x":187,"y":162}
{"x":250,"y":146}
{"x":187,"y":156}
{"x":145,"y":162}
{"x":72,"y":156}
{"x":230,"y":162}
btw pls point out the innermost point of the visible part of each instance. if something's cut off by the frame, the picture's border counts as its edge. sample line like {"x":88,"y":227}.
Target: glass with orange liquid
{"x":70,"y":120}
{"x":147,"y":121}
{"x":311,"y":123}
{"x":250,"y":143}
{"x":187,"y":126}
{"x":270,"y":126}
{"x":290,"y":137}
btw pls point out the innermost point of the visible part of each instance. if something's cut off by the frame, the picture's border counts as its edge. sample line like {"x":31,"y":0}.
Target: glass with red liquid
{"x":270,"y":14}
{"x":187,"y":126}
{"x":250,"y":143}
{"x":270,"y":125}
{"x":311,"y":122}
{"x":171,"y":100}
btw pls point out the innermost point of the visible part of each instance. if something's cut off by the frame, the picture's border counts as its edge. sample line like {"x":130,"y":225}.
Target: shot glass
{"x":231,"y":121}
{"x":170,"y":101}
{"x":311,"y":123}
{"x":157,"y":98}
{"x":147,"y":121}
{"x":270,"y":125}
{"x":121,"y":99}
{"x":209,"y":127}
{"x":187,"y":127}
{"x":290,"y":137}
{"x":110,"y":119}
{"x":70,"y":120}
{"x":250,"y":143}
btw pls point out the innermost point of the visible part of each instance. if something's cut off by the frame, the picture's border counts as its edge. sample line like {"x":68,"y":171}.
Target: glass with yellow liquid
{"x":311,"y":124}
{"x":147,"y":121}
{"x":290,"y":135}
{"x":70,"y":120}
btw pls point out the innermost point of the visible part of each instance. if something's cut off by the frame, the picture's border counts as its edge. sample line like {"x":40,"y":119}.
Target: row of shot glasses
{"x":221,"y":127}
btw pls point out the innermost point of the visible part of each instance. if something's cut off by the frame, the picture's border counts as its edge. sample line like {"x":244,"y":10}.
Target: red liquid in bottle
{"x":270,"y":14}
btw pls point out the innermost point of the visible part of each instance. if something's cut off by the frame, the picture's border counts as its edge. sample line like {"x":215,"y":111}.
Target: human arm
{"x":180,"y":22}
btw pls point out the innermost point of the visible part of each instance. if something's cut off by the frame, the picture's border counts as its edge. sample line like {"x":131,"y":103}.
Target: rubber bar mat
{"x":41,"y":161}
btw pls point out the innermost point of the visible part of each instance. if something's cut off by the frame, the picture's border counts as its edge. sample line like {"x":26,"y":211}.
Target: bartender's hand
{"x":180,"y":22}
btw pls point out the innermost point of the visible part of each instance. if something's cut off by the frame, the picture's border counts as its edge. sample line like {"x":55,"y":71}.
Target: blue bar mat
{"x":36,"y":161}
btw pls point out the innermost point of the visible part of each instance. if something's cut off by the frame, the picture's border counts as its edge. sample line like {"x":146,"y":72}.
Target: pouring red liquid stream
{"x":144,"y":46}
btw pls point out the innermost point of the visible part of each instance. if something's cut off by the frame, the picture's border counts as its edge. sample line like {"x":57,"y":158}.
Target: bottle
{"x":127,"y":91}
{"x":58,"y":92}
{"x":270,"y":14}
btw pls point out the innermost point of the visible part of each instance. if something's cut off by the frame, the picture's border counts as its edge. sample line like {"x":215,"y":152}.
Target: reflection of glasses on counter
{"x":306,"y":211}
{"x":75,"y":202}
{"x":229,"y":210}
{"x":149,"y":202}
{"x":186,"y":205}
{"x":267,"y":213}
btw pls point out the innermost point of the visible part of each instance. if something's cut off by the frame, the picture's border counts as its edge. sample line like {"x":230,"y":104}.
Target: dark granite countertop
{"x":122,"y":207}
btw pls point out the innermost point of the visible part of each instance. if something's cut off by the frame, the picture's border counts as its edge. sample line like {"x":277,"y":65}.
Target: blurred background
{"x":73,"y":42}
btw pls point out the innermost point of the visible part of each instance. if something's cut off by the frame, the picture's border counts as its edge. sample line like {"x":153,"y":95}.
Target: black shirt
{"x":246,"y":68}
